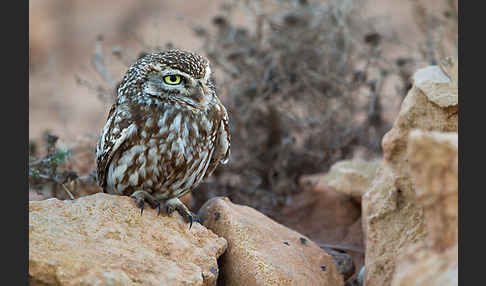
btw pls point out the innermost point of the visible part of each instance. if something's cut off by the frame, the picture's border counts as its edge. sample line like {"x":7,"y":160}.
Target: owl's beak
{"x":200,"y":92}
{"x":203,"y":87}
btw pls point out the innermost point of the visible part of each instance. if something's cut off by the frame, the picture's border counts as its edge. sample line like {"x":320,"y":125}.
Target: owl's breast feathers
{"x":176,"y":140}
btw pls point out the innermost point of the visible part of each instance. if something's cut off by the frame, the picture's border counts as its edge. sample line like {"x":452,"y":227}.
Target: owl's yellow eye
{"x":172,"y":79}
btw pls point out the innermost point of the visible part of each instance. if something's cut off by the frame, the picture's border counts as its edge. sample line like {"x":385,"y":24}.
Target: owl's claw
{"x":182,"y":209}
{"x":193,"y":218}
{"x":142,"y":196}
{"x":140,"y":204}
{"x":158,"y":208}
{"x":190,"y":222}
{"x":169,"y":210}
{"x":139,"y":200}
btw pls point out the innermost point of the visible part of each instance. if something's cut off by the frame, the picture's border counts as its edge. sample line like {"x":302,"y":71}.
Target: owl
{"x":166,"y":132}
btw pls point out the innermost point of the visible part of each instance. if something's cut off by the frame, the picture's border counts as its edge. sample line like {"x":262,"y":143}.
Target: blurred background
{"x":62,"y":44}
{"x":306,"y":84}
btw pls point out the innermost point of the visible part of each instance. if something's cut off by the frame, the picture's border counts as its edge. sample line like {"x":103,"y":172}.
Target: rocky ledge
{"x":103,"y":240}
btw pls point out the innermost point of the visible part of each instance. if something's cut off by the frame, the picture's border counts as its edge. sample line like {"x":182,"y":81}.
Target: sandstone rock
{"x":433,"y":158}
{"x":390,"y":222}
{"x":329,"y":218}
{"x":343,"y":261}
{"x":328,"y":215}
{"x":328,"y":209}
{"x":422,"y":266}
{"x":264,"y":252}
{"x":392,"y":219}
{"x":433,"y":161}
{"x":103,"y":240}
{"x":351,"y":177}
{"x":439,"y":83}
{"x":324,"y":215}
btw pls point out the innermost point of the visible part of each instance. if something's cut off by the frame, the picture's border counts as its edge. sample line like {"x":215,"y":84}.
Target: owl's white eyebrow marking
{"x":207,"y":75}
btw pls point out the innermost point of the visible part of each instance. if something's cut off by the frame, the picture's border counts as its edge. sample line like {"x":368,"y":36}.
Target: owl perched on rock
{"x":166,"y":132}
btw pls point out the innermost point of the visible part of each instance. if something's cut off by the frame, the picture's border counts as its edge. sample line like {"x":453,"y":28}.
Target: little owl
{"x":166,"y":132}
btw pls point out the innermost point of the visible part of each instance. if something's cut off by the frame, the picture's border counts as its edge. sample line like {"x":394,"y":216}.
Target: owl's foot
{"x":176,"y":204}
{"x":142,"y":196}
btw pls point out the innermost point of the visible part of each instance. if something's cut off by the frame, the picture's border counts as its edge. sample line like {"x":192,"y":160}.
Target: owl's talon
{"x":190,"y":221}
{"x":157,"y":205}
{"x":193,"y":218}
{"x":142,"y":196}
{"x":169,"y":210}
{"x":183,"y":210}
{"x":158,"y":208}
{"x":141,"y":204}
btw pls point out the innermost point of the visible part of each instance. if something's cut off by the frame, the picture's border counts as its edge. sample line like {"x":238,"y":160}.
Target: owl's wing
{"x":222,"y":143}
{"x":116,"y":131}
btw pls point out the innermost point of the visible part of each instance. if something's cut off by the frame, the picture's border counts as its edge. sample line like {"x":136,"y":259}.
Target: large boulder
{"x":328,"y":209}
{"x":352,"y":177}
{"x":264,"y":252}
{"x":392,"y":218}
{"x":324,"y":214}
{"x":103,"y":240}
{"x":422,"y":266}
{"x":433,"y":160}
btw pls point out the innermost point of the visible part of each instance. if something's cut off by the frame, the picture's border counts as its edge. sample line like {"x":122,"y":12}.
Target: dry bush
{"x":61,"y":172}
{"x":295,"y":97}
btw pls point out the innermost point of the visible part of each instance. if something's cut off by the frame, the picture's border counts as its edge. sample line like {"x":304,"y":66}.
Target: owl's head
{"x":173,"y":73}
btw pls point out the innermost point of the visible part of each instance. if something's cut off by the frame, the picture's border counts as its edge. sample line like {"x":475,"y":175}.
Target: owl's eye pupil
{"x":173,"y":78}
